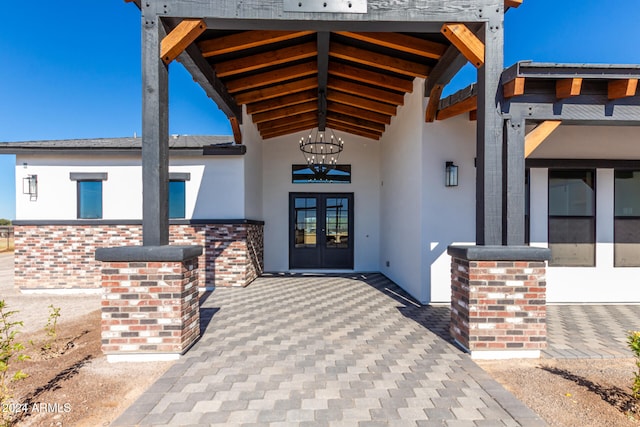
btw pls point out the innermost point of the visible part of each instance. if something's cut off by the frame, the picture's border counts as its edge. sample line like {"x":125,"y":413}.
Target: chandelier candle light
{"x":321,"y":150}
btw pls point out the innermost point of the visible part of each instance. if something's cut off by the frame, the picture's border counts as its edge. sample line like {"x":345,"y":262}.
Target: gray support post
{"x":489,"y":136}
{"x":514,"y":182}
{"x":155,"y":136}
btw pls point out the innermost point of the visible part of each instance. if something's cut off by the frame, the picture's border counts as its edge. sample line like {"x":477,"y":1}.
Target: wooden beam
{"x":392,"y":98}
{"x":276,"y":91}
{"x":537,"y":136}
{"x":246,"y":40}
{"x":354,"y":121}
{"x":272,"y":77}
{"x":379,"y":60}
{"x":434,"y":101}
{"x":308,"y":123}
{"x":355,"y":130}
{"x":287,"y":121}
{"x":566,"y":88}
{"x":622,"y":88}
{"x":283,"y":101}
{"x":266,"y":59}
{"x":235,"y":127}
{"x":180,"y":37}
{"x":359,"y":112}
{"x":513,"y":87}
{"x":466,"y":42}
{"x":512,"y":3}
{"x":473,"y":115}
{"x":366,"y":104}
{"x":401,"y":42}
{"x":292,"y":128}
{"x":370,"y":77}
{"x":291,"y":110}
{"x":458,"y":108}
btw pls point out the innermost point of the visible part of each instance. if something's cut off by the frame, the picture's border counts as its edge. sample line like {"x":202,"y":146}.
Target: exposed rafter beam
{"x":622,"y":88}
{"x":378,"y":60}
{"x":359,"y":102}
{"x":283,"y":101}
{"x":354,"y":121}
{"x":267,"y":59}
{"x":566,"y":88}
{"x":370,"y":77}
{"x":392,"y":98}
{"x":514,"y":87}
{"x":287,"y":121}
{"x":537,"y":136}
{"x":323,"y":76}
{"x":235,"y":128}
{"x":434,"y":101}
{"x":401,"y":42}
{"x":291,"y":110}
{"x":466,"y":42}
{"x":512,"y":3}
{"x":356,"y":130}
{"x":185,"y":33}
{"x":304,"y":124}
{"x":246,"y":40}
{"x":458,"y":108}
{"x":277,"y":90}
{"x":359,"y":112}
{"x":271,"y":77}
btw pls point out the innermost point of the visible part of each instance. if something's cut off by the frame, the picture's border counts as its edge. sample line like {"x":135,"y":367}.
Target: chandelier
{"x":321,"y":150}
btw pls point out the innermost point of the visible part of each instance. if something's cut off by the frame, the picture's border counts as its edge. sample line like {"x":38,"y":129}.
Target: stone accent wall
{"x":150,"y":307}
{"x":63,"y":256}
{"x":498,"y":305}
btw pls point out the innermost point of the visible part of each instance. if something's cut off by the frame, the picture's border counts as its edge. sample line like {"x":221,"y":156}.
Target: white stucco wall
{"x":363,"y":155}
{"x":401,"y":196}
{"x":221,"y":196}
{"x":604,"y":282}
{"x":252,"y":169}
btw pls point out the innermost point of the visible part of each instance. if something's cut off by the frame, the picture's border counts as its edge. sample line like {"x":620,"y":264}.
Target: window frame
{"x":176,"y":177}
{"x":618,"y":218}
{"x":81,"y":177}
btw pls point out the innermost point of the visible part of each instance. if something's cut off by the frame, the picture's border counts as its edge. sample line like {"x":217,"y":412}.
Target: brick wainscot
{"x":60,"y":256}
{"x":498,"y":300}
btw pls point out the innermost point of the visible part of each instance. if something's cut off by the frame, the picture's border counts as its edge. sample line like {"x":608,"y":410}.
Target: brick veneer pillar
{"x":150,"y":306}
{"x":498,"y":300}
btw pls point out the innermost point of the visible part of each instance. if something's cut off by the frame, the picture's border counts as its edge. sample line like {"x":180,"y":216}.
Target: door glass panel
{"x":337,"y":222}
{"x":306,"y":221}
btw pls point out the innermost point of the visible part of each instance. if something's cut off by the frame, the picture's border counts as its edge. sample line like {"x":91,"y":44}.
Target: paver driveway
{"x":350,"y":350}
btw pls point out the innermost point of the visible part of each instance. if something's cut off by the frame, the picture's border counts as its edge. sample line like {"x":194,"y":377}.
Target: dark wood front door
{"x":321,"y":230}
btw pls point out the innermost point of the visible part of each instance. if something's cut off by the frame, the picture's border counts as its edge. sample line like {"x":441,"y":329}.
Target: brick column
{"x":150,"y":307}
{"x":498,"y":300}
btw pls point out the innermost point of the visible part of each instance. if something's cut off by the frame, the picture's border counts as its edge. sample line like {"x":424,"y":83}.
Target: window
{"x":302,"y":174}
{"x":177,"y":194}
{"x":89,"y":203}
{"x":572,"y":218}
{"x":627,"y":219}
{"x":90,"y":199}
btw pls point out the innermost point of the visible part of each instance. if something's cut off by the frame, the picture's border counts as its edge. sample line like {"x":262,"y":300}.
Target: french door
{"x":321,"y":230}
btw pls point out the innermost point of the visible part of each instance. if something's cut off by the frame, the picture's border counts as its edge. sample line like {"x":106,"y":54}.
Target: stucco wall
{"x":363,"y":155}
{"x":252,"y":169}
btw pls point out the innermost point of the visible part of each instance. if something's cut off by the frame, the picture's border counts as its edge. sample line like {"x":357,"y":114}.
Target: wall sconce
{"x":451,"y":174}
{"x":30,"y":186}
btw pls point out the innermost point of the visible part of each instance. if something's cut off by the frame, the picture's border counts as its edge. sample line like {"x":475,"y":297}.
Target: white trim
{"x":62,"y":291}
{"x":142,"y":357}
{"x":505,"y":354}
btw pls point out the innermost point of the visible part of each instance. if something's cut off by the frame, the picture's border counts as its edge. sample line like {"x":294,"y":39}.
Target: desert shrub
{"x":11,"y":350}
{"x":633,"y":339}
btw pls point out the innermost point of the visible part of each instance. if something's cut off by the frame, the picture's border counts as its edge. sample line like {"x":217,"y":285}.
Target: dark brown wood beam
{"x":285,"y":112}
{"x":359,"y":102}
{"x":355,"y":130}
{"x":434,"y":102}
{"x":246,"y":40}
{"x":458,"y":108}
{"x":378,"y":60}
{"x":272,"y":77}
{"x":354,"y":121}
{"x":359,"y":112}
{"x":266,"y":59}
{"x":282,"y":101}
{"x":366,"y":91}
{"x":401,"y":42}
{"x":276,"y":91}
{"x":370,"y":77}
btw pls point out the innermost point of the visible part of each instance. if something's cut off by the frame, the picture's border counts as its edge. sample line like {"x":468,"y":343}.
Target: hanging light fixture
{"x":321,"y":150}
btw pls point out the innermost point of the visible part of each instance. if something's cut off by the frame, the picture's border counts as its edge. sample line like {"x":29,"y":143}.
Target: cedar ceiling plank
{"x":353,"y":129}
{"x":283,"y":101}
{"x":235,"y":127}
{"x":458,"y":108}
{"x":366,"y":91}
{"x":537,"y":136}
{"x":401,"y":42}
{"x":283,"y":131}
{"x":310,"y":123}
{"x":370,"y":77}
{"x":378,"y":60}
{"x":291,"y":120}
{"x":514,"y":87}
{"x":246,"y":40}
{"x":272,"y":77}
{"x":359,"y":112}
{"x":434,"y":102}
{"x":622,"y":88}
{"x":366,"y":104}
{"x":466,"y":42}
{"x":285,"y":112}
{"x":276,"y":91}
{"x":566,"y":88}
{"x":355,"y":121}
{"x":266,"y":59}
{"x":185,"y":33}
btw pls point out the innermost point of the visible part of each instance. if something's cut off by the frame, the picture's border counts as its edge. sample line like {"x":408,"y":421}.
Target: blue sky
{"x":72,"y":67}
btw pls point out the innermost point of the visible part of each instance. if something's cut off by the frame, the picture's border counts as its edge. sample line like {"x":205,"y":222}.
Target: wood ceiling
{"x":293,"y":80}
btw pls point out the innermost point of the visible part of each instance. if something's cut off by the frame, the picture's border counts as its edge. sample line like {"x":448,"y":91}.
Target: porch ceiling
{"x":295,"y":79}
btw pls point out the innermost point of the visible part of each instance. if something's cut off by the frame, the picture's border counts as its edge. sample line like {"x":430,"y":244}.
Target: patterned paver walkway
{"x":316,"y":351}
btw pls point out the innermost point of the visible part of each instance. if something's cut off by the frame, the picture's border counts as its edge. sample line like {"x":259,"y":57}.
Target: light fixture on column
{"x":30,"y":186}
{"x":451,"y":174}
{"x":321,"y":150}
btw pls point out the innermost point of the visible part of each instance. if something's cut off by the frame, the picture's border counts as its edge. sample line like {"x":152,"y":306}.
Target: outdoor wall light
{"x":30,"y":186}
{"x":451,"y":174}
